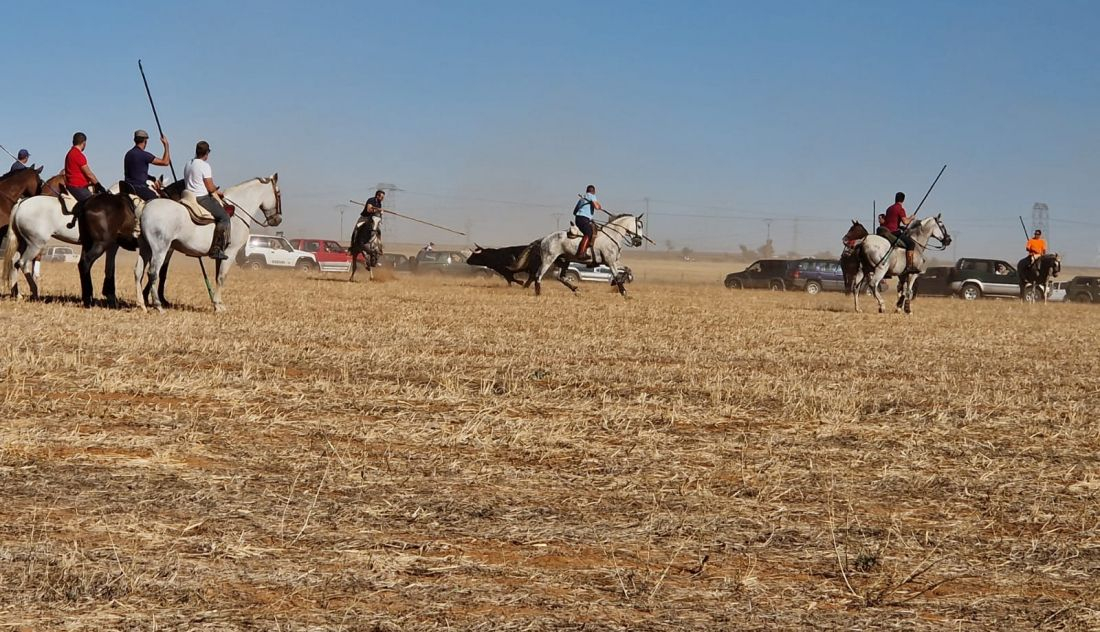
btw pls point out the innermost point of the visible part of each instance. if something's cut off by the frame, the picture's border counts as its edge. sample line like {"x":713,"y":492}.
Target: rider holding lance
{"x":135,"y":165}
{"x":583,"y":218}
{"x":897,"y":224}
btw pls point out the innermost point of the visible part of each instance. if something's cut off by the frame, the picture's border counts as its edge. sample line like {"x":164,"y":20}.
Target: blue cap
{"x":23,"y":153}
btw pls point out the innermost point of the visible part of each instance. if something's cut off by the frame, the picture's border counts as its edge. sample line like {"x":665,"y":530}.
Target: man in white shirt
{"x":199,"y":179}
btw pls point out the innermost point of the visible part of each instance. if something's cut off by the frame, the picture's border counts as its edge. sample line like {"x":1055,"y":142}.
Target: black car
{"x":936,"y":281}
{"x":396,"y":262}
{"x":765,"y":273}
{"x":1083,"y":289}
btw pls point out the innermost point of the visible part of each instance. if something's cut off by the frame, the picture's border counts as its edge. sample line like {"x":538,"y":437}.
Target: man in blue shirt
{"x":135,"y":165}
{"x":20,"y":162}
{"x":583,"y":218}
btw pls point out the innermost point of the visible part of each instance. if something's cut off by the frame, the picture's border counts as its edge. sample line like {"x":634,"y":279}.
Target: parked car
{"x":396,"y":262}
{"x":765,"y":273}
{"x":61,"y":254}
{"x":267,"y":251}
{"x":1083,"y":289}
{"x":447,"y":262}
{"x":815,"y":275}
{"x":580,"y":272}
{"x":330,"y":255}
{"x":971,"y":279}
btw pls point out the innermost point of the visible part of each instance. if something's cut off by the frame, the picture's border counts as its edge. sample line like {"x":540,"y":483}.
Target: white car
{"x":62,"y":254}
{"x":267,"y":251}
{"x":580,"y":272}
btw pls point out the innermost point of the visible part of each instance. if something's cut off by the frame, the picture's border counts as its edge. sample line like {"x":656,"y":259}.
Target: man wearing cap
{"x":20,"y":163}
{"x":199,"y":179}
{"x":135,"y":165}
{"x":79,"y":178}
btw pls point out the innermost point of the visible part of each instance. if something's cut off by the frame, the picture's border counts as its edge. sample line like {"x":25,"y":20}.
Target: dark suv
{"x":1083,"y":289}
{"x":815,"y":275}
{"x":765,"y":273}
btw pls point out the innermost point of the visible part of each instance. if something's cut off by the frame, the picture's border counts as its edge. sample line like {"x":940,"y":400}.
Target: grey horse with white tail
{"x":560,"y":248}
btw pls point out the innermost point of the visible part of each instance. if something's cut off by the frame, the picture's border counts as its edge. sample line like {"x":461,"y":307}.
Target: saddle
{"x":199,"y":215}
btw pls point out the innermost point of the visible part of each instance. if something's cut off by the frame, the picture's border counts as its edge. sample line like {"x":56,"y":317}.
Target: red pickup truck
{"x":331,"y":256}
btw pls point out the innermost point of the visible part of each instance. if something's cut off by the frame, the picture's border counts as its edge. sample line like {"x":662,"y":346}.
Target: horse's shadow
{"x":102,"y":303}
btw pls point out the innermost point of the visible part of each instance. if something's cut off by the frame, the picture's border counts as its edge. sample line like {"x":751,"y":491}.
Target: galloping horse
{"x":880,"y":259}
{"x":559,"y":248}
{"x":366,"y":239}
{"x":1035,"y":276}
{"x":167,"y":225}
{"x":15,"y":186}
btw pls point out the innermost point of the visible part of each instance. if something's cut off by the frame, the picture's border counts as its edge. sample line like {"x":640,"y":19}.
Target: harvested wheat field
{"x":449,"y":454}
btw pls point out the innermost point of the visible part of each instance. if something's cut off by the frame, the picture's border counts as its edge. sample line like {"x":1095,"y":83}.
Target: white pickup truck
{"x":62,"y":254}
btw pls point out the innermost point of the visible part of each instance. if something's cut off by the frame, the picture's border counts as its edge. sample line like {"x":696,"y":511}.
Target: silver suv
{"x":580,"y":272}
{"x":267,"y":251}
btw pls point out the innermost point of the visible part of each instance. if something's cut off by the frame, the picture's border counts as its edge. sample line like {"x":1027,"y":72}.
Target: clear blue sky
{"x":497,"y":114}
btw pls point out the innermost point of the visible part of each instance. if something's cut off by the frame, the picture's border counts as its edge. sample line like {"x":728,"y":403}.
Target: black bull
{"x":503,"y":261}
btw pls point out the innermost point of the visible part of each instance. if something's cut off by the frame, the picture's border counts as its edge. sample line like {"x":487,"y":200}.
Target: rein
{"x":266,"y":223}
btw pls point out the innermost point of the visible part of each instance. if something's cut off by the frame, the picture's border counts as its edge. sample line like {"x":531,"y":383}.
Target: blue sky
{"x":493,"y":115}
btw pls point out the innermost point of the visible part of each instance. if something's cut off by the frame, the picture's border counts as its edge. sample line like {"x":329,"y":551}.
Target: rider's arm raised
{"x":164,"y":160}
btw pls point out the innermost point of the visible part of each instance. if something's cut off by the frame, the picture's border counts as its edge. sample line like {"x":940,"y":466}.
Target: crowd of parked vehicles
{"x":969,"y":279}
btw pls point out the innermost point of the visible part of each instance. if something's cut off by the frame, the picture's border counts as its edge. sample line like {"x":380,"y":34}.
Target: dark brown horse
{"x":849,"y":259}
{"x":106,"y":222}
{"x":15,"y":186}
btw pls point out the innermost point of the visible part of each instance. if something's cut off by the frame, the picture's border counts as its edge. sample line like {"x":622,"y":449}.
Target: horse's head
{"x":638,"y":232}
{"x":271,"y":203}
{"x":1055,"y":264}
{"x":939,"y":231}
{"x":854,"y":234}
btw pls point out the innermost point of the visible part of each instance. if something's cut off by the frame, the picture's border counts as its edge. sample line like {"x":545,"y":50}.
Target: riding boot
{"x":217,"y":245}
{"x":582,"y":247}
{"x":910,"y":266}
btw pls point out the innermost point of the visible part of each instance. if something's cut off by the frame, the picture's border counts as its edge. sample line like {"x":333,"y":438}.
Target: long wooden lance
{"x":413,"y":219}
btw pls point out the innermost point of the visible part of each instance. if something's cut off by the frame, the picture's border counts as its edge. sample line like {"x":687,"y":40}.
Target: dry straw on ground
{"x":453,"y":454}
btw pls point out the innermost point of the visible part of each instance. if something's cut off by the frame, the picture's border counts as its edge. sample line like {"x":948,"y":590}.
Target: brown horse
{"x":106,"y":222}
{"x":15,"y":186}
{"x":849,"y":259}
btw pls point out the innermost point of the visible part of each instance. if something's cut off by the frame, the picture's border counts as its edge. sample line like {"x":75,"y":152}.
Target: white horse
{"x":561,"y":247}
{"x":881,"y":260}
{"x":39,"y":220}
{"x":167,"y":226}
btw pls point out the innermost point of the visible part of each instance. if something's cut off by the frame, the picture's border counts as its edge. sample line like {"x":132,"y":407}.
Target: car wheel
{"x":572,"y":277}
{"x":255,"y":264}
{"x":776,"y":286}
{"x":813,"y":287}
{"x":305,"y":265}
{"x":1032,"y":294}
{"x":1082,"y":297}
{"x":970,"y":292}
{"x":733,"y":284}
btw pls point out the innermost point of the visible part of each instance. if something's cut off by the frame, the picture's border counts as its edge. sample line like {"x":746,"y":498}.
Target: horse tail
{"x":11,"y":252}
{"x":524,"y":257}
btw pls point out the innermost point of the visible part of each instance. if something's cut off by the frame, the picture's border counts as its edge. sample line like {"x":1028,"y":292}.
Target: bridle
{"x":635,"y":236}
{"x":944,"y":241}
{"x":267,"y":216}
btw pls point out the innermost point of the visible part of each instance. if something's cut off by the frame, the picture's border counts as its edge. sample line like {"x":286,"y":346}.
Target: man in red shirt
{"x":78,"y":175}
{"x":896,"y":223}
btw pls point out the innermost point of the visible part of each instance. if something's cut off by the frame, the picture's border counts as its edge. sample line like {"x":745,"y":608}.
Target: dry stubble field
{"x":418,"y":454}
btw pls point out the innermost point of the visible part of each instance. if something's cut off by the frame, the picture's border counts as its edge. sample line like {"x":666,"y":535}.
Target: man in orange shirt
{"x":79,"y":178}
{"x":1036,"y":247}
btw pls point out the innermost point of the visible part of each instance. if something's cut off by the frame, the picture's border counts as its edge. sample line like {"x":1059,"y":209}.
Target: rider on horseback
{"x":135,"y":165}
{"x":897,"y":224}
{"x":79,"y":179}
{"x":1036,"y":247}
{"x":583,"y":218}
{"x":199,"y":179}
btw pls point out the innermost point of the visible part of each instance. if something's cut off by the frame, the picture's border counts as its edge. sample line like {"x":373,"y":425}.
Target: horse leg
{"x":563,"y":267}
{"x":156,"y":261}
{"x":876,"y":278}
{"x":221,"y":271}
{"x":857,"y":287}
{"x":354,"y":265}
{"x":109,"y":277}
{"x":88,"y":256}
{"x":164,"y":278}
{"x":143,"y":255}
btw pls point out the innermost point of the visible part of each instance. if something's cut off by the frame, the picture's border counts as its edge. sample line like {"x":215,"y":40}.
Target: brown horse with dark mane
{"x":15,"y":186}
{"x":107,"y":222}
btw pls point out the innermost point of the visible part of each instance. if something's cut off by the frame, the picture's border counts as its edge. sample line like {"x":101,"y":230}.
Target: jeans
{"x":210,"y":203}
{"x":144,"y":192}
{"x":80,"y":193}
{"x":584,"y":224}
{"x":905,"y":239}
